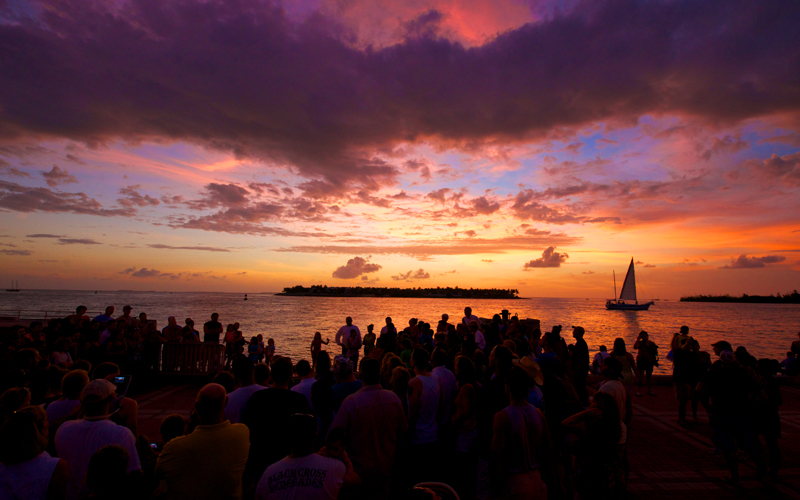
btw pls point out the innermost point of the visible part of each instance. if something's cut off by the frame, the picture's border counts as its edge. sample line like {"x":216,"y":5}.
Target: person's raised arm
{"x":500,"y":427}
{"x":57,"y":487}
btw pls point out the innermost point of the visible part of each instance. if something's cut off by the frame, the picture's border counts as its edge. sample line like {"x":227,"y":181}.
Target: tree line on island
{"x":787,"y":298}
{"x":438,"y":292}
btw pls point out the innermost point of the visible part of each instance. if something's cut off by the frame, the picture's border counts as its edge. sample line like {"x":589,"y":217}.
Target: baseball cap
{"x":531,"y":367}
{"x":127,"y":308}
{"x":97,"y":390}
{"x":578,"y":329}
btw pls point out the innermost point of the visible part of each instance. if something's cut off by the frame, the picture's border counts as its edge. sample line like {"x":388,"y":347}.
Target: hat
{"x":531,"y":367}
{"x":97,"y":390}
{"x":578,"y":329}
{"x":684,"y":329}
{"x":342,"y":366}
{"x":723,"y":345}
{"x":127,"y":308}
{"x":727,"y":356}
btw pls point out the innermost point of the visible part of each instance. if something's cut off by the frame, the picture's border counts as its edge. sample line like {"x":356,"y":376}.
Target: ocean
{"x":767,"y":330}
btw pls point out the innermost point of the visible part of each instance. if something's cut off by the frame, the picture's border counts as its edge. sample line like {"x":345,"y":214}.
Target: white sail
{"x":629,"y":287}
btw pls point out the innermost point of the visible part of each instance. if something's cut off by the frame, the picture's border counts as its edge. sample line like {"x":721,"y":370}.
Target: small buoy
{"x":245,"y":296}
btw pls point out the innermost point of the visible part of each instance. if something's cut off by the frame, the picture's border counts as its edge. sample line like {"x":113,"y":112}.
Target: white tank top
{"x":425,"y":429}
{"x":28,"y":480}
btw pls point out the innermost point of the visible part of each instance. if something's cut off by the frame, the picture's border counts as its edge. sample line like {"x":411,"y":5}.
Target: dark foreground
{"x":667,"y":460}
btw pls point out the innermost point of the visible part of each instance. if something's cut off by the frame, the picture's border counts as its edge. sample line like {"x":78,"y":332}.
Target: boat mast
{"x":615,"y":284}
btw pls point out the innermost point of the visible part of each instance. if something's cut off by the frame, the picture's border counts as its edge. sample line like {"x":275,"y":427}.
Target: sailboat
{"x":627,"y":296}
{"x":14,"y":287}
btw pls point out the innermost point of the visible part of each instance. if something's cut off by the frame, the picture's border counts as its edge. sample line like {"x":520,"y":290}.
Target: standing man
{"x":423,"y":404}
{"x":344,"y":333}
{"x":389,"y":335}
{"x":127,"y":318}
{"x":77,"y":440}
{"x":209,"y":462}
{"x":373,"y":419}
{"x":580,"y":363}
{"x":468,"y":316}
{"x":172,"y":332}
{"x":244,"y":377}
{"x":212,"y":329}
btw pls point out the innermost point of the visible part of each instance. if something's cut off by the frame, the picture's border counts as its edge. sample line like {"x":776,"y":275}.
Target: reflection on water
{"x":767,"y":330}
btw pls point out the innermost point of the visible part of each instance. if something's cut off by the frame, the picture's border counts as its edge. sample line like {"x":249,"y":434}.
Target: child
{"x":316,"y":347}
{"x":789,"y":365}
{"x":353,"y":347}
{"x":405,"y":354}
{"x":601,"y":356}
{"x":335,"y":445}
{"x":252,"y":350}
{"x":260,"y":348}
{"x":269,"y":351}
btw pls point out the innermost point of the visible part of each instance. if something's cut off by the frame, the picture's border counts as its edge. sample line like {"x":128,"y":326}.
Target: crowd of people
{"x":492,"y":408}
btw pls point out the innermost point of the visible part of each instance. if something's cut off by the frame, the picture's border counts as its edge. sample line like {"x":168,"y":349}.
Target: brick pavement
{"x":667,"y":460}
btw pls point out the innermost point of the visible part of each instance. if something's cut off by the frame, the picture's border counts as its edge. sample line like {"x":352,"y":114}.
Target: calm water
{"x":767,"y":330}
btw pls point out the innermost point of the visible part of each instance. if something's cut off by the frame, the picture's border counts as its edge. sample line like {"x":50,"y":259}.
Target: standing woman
{"x":522,"y":457}
{"x":27,"y":471}
{"x":645,"y":359}
{"x":353,"y":344}
{"x":369,"y":340}
{"x":316,"y":347}
{"x":622,"y":355}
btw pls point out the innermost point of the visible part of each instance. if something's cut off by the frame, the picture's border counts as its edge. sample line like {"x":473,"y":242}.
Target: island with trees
{"x":422,"y":293}
{"x":787,"y":298}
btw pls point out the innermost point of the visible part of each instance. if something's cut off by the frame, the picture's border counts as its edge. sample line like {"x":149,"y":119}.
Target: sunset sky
{"x":245,"y":146}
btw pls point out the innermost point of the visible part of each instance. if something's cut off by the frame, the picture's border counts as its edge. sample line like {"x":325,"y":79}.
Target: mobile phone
{"x":122,"y":382}
{"x":154,"y":446}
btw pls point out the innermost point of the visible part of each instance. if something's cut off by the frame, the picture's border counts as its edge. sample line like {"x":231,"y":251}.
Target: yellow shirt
{"x":208,"y":463}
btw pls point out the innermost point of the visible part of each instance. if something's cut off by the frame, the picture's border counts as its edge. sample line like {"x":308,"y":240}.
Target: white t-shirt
{"x":385,"y":329}
{"x":312,"y":477}
{"x":601,"y":356}
{"x":104,"y":336}
{"x":238,"y":399}
{"x":61,"y":357}
{"x":60,"y":409}
{"x":448,"y":387}
{"x":28,"y":480}
{"x":304,"y":388}
{"x":479,"y":339}
{"x":620,"y":395}
{"x":77,"y":440}
{"x":471,"y":318}
{"x":344,"y":333}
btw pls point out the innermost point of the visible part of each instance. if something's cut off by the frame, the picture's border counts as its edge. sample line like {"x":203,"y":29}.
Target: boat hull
{"x":614,"y":306}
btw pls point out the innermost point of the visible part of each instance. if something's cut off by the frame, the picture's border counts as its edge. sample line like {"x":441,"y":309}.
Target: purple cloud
{"x":355,"y":267}
{"x":16,"y":252}
{"x":419,"y":274}
{"x":207,"y":249}
{"x":56,"y":177}
{"x":745,"y":262}
{"x":134,"y":198}
{"x":25,"y":199}
{"x":549,"y":258}
{"x":77,"y":241}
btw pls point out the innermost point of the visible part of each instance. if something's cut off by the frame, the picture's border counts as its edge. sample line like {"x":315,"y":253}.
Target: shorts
{"x":645,"y":366}
{"x":684,"y":391}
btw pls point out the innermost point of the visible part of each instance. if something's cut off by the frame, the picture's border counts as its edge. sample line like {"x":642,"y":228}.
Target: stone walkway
{"x":667,"y":460}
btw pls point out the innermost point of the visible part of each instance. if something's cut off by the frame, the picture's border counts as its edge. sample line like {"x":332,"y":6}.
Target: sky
{"x":247,"y":145}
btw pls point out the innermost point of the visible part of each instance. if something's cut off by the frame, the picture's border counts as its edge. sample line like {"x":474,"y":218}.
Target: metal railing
{"x":38,"y":314}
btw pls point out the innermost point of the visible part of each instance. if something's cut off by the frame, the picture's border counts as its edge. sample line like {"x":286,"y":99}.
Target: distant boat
{"x":627,"y":294}
{"x":14,"y":287}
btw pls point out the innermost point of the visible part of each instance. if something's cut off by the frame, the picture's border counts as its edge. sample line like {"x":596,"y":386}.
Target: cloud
{"x":487,"y":260}
{"x":13,"y":172}
{"x":207,"y":249}
{"x":549,"y":258}
{"x":243,"y":272}
{"x":454,"y":246}
{"x":25,"y":199}
{"x":16,"y":252}
{"x":134,"y":198}
{"x":588,"y":272}
{"x":484,"y":206}
{"x":745,"y":262}
{"x":43,"y":235}
{"x":622,"y":60}
{"x":56,"y":177}
{"x":439,"y":195}
{"x":77,"y":241}
{"x":355,"y":267}
{"x":785,"y":169}
{"x":419,"y":274}
{"x":152,"y":273}
{"x":128,"y":270}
